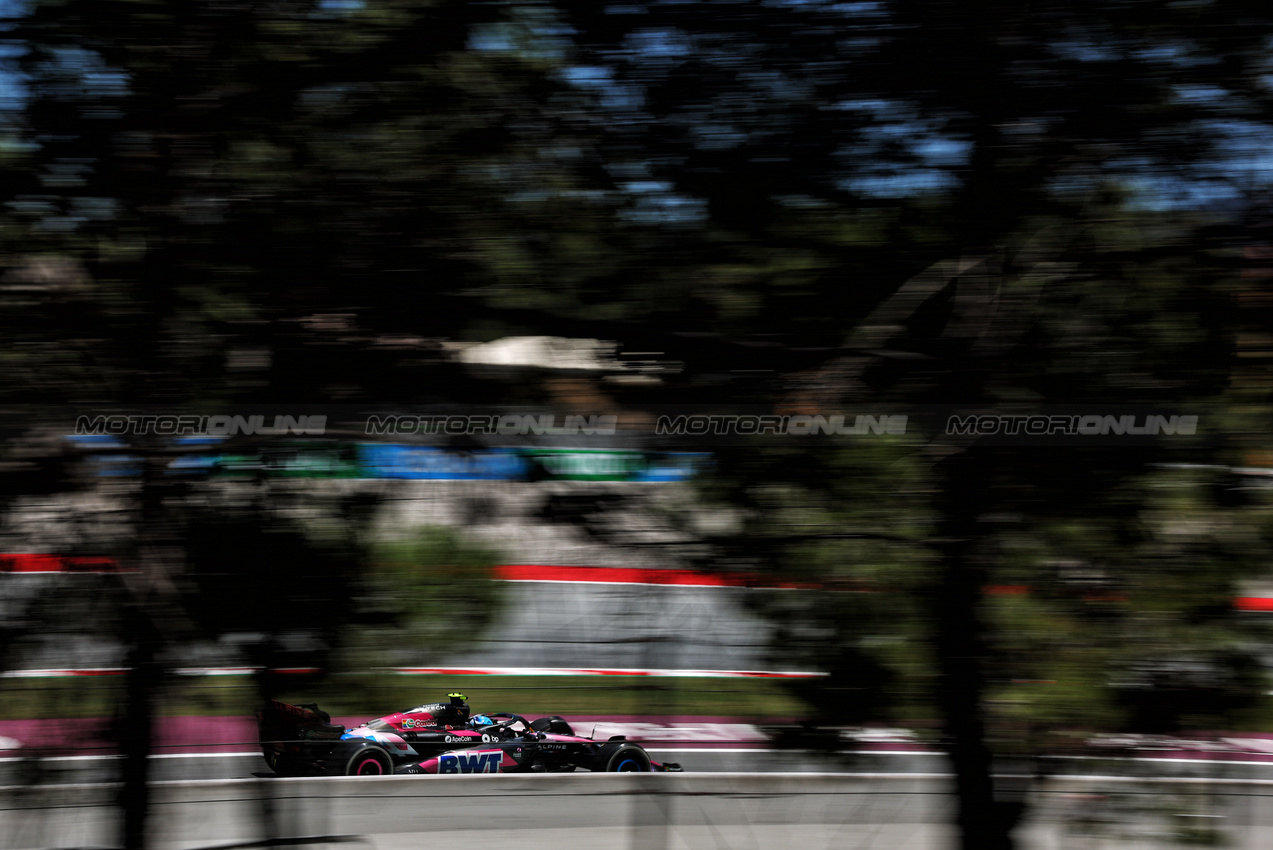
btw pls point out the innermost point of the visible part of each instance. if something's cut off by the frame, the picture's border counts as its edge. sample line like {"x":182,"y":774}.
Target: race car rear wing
{"x":278,"y":722}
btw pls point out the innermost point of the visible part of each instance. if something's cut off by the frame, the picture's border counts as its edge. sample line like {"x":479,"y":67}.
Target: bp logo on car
{"x":470,"y":762}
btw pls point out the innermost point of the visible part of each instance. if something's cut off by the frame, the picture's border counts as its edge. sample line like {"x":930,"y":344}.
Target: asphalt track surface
{"x":246,"y":765}
{"x":697,"y":759}
{"x":211,"y":748}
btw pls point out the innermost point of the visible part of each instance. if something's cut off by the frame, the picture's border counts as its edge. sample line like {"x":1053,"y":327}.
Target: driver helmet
{"x":459,"y":706}
{"x":480,"y":720}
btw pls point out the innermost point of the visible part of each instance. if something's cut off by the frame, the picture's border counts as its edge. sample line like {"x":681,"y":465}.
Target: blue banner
{"x":380,"y":460}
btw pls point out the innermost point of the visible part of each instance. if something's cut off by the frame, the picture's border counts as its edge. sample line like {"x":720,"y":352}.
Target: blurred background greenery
{"x":805,"y":207}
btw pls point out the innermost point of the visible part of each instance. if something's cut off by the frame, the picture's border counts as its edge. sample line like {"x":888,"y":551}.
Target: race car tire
{"x":369,"y":761}
{"x":621,"y":758}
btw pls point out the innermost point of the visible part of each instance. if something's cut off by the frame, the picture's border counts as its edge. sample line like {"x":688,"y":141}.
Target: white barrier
{"x":584,"y":810}
{"x":630,"y":811}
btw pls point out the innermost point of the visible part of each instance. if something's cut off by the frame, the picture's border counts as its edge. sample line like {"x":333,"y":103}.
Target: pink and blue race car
{"x":438,"y":738}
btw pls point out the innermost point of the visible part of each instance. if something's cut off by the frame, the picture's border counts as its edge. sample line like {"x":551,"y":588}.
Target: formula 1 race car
{"x":437,"y":738}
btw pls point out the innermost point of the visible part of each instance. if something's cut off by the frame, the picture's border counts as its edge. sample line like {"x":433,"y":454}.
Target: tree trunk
{"x":136,"y":725}
{"x":985,"y":821}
